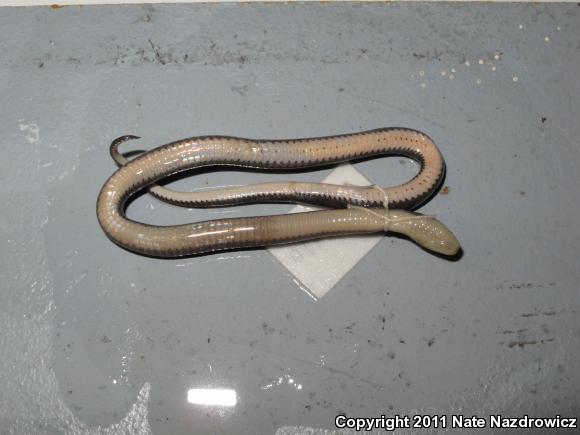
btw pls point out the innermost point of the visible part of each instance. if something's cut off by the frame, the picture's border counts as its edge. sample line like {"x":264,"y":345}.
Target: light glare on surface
{"x":212,"y":397}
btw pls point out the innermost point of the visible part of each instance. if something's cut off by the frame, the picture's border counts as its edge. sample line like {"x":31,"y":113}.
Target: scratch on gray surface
{"x":415,"y":114}
{"x":323,"y":367}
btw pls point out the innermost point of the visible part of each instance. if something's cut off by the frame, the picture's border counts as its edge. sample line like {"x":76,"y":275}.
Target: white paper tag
{"x":320,"y":264}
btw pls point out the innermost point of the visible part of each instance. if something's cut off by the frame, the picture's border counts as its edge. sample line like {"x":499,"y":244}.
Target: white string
{"x":386,"y":217}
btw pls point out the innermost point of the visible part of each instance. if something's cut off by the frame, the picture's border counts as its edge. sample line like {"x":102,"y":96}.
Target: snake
{"x":350,"y":210}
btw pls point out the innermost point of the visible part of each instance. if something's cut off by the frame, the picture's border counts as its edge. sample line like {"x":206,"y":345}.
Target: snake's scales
{"x":350,"y":217}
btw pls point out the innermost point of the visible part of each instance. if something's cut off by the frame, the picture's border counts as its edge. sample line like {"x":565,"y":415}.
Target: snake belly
{"x":358,"y":210}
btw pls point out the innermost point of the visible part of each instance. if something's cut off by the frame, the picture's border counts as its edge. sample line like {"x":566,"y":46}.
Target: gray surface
{"x":85,"y":326}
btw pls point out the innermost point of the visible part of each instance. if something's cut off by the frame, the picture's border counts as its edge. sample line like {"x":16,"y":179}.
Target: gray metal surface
{"x":94,"y":339}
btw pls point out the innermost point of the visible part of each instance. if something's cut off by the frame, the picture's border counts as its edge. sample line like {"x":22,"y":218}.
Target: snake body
{"x":357,"y":209}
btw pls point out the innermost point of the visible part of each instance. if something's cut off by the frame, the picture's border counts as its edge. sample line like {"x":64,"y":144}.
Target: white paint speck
{"x":451,"y":76}
{"x":480,"y":61}
{"x":453,"y":70}
{"x":421,"y":73}
{"x":515,"y":78}
{"x":496,"y":57}
{"x":521,"y":26}
{"x":558,"y":28}
{"x":478,"y":81}
{"x":30,"y":130}
{"x":547,"y":38}
{"x":443,"y":73}
{"x":467,"y":63}
{"x":423,"y":85}
{"x":493,"y":68}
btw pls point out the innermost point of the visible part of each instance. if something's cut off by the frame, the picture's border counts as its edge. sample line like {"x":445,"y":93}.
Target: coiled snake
{"x":355,"y":210}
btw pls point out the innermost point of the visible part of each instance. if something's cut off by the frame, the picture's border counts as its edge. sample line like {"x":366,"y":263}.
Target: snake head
{"x":427,"y":231}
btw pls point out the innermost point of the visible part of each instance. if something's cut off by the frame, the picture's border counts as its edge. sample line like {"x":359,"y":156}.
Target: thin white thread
{"x":387,"y":219}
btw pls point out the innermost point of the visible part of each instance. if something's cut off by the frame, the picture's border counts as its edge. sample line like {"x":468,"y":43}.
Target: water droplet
{"x":467,"y":63}
{"x":478,"y":81}
{"x":451,"y":76}
{"x":423,"y":85}
{"x":521,"y":26}
{"x":444,"y":73}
